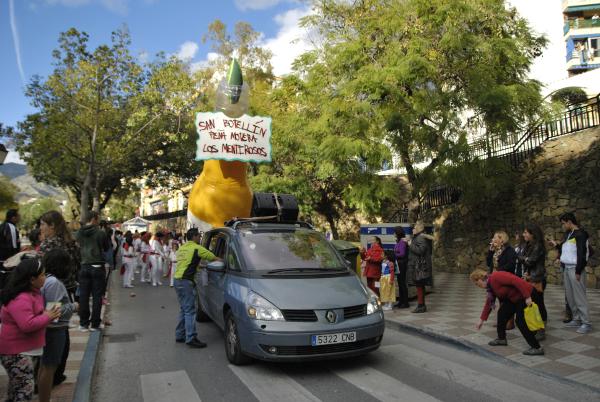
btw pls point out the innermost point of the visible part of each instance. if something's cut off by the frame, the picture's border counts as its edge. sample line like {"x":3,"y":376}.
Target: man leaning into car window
{"x":188,"y":259}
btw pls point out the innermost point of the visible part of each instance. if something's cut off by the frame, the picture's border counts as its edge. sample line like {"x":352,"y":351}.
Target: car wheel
{"x":201,"y":315}
{"x":233,"y":347}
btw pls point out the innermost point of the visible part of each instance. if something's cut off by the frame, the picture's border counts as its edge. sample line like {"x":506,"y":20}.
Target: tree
{"x":33,"y":210}
{"x":103,"y":119}
{"x":425,"y":75}
{"x":8,"y":191}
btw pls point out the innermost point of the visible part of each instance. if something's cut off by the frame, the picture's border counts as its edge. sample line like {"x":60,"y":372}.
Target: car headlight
{"x":373,"y":305}
{"x":259,"y":308}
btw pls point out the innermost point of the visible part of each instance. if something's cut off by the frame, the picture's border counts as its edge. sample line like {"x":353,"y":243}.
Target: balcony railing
{"x":581,"y":24}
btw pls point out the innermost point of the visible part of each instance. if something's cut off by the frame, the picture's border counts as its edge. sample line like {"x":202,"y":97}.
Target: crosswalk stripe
{"x":168,"y":386}
{"x":267,"y":384}
{"x":477,"y":381}
{"x":381,"y":385}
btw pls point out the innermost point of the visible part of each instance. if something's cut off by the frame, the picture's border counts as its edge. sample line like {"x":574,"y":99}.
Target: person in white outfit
{"x":137,"y":246}
{"x":157,"y":258}
{"x":173,"y":261}
{"x":129,"y":260}
{"x":145,"y":251}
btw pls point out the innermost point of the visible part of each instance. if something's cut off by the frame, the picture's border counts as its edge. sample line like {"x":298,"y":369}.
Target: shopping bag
{"x":533,"y":318}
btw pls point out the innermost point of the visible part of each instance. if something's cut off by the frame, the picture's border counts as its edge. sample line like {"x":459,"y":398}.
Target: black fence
{"x":515,"y":150}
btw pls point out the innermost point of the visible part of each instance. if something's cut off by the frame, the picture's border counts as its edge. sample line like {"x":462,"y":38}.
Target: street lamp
{"x":3,"y":153}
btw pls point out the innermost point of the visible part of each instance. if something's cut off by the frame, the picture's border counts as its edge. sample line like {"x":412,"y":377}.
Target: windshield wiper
{"x":277,"y":271}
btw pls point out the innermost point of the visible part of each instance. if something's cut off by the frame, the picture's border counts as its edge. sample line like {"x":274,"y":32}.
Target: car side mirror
{"x":216,"y":266}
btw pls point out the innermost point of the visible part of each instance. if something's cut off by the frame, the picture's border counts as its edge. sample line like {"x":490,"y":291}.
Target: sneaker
{"x":180,"y":340}
{"x":196,"y":343}
{"x":534,"y":352}
{"x":498,"y":342}
{"x":540,"y":335}
{"x":584,"y":329}
{"x":386,"y":307}
{"x":92,"y":329}
{"x":573,"y":324}
{"x":83,"y":329}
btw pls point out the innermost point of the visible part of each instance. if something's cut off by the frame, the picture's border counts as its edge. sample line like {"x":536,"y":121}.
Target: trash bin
{"x":349,"y":251}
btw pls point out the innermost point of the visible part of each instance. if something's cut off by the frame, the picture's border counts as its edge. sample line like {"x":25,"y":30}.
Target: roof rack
{"x":254,"y":221}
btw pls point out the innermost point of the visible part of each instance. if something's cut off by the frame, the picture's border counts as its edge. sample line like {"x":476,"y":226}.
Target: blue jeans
{"x":186,"y":294}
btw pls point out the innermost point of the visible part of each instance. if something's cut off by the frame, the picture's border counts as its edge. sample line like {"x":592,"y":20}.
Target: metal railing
{"x":515,"y":150}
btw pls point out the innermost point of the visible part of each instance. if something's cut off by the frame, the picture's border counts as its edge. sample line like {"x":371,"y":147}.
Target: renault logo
{"x":331,"y":316}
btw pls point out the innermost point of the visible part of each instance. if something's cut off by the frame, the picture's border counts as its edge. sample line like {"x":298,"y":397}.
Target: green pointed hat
{"x":235,"y":80}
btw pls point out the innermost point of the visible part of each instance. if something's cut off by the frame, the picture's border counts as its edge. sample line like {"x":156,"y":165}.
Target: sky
{"x":29,"y":30}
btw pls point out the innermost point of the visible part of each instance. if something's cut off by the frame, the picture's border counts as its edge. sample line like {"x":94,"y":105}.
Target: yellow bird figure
{"x":222,"y":192}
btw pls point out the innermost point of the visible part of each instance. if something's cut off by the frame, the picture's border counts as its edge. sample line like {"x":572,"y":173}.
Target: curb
{"x":470,"y":346}
{"x":83,"y":386}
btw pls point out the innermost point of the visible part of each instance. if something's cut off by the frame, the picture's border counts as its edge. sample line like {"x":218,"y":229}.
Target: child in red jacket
{"x":24,"y":323}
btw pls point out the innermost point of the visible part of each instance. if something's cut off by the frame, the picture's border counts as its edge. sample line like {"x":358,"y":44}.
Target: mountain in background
{"x":29,"y":188}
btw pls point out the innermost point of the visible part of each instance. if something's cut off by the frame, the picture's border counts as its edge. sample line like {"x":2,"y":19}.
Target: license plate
{"x":330,"y":339}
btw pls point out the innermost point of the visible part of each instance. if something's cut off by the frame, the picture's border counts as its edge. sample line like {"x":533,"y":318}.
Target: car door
{"x":217,"y":281}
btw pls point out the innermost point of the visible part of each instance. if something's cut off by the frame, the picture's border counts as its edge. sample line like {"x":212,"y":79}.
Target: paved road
{"x":140,"y":362}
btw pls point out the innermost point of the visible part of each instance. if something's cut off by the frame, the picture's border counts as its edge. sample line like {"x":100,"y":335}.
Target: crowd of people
{"x":43,"y":284}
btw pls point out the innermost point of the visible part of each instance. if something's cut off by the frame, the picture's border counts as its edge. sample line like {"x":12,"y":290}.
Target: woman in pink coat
{"x":24,"y":322}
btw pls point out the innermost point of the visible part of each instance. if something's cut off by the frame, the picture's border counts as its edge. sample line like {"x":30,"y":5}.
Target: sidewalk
{"x":454,"y":309}
{"x":63,"y":392}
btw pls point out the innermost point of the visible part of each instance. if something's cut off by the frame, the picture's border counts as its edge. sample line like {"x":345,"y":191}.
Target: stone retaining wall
{"x":563,"y":176}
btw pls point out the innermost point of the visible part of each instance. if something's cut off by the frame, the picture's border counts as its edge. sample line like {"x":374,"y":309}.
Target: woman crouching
{"x":514,"y":294}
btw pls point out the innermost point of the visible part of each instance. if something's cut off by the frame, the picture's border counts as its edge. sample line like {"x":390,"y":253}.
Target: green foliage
{"x":122,"y":209}
{"x":424,"y":75}
{"x":33,"y":210}
{"x":8,"y":191}
{"x":569,"y":96}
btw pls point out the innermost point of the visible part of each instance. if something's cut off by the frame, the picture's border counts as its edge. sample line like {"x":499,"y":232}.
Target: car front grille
{"x":299,"y":315}
{"x":355,"y":311}
{"x":307,"y":350}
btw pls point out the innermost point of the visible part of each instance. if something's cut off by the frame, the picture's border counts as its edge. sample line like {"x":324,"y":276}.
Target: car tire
{"x":201,"y":315}
{"x":233,"y":347}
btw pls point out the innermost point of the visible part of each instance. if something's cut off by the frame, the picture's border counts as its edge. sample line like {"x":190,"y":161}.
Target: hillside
{"x":29,"y":188}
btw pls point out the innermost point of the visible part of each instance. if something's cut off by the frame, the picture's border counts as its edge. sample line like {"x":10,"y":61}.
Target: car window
{"x":232,"y":261}
{"x":217,"y":244}
{"x":300,"y":248}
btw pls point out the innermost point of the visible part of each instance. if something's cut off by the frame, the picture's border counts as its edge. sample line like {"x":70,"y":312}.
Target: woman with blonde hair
{"x":514,"y":294}
{"x":501,"y":256}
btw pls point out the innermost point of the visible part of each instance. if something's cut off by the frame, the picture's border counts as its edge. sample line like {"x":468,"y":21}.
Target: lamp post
{"x":3,"y":153}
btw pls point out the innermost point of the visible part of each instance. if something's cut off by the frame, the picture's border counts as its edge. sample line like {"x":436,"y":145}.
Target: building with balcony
{"x":582,"y":35}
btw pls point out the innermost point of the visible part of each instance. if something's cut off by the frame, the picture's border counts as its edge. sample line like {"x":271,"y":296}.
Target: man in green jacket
{"x":189,"y":256}
{"x":93,"y":242}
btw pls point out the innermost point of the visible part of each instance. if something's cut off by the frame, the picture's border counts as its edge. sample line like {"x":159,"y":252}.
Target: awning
{"x":573,"y":9}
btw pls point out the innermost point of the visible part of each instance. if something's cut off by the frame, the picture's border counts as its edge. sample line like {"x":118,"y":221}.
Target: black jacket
{"x":581,"y":239}
{"x":534,"y":262}
{"x":6,"y":242}
{"x":507,"y":261}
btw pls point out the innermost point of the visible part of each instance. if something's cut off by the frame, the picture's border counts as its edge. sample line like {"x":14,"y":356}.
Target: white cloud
{"x":116,"y":6}
{"x":68,"y":3}
{"x":15,"y":35}
{"x":198,"y":65}
{"x":290,"y":42}
{"x":545,"y":17}
{"x":255,"y":4}
{"x":187,"y":51}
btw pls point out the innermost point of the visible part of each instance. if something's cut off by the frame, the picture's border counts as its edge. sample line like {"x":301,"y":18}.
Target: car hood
{"x":311,"y":293}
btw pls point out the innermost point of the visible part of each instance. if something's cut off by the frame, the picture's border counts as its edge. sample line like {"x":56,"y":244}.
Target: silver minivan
{"x":283,"y":293}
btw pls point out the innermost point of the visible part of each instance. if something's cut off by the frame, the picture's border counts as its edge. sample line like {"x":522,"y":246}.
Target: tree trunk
{"x":332,"y":225}
{"x":85,"y":198}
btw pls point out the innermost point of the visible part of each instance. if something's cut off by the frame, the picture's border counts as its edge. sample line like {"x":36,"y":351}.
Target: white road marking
{"x":465,"y":376}
{"x":268,"y":384}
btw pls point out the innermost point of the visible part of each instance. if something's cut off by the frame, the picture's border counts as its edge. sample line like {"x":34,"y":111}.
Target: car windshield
{"x":288,"y":250}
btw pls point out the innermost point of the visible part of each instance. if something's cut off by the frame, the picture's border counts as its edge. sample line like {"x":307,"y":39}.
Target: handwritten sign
{"x":245,"y":138}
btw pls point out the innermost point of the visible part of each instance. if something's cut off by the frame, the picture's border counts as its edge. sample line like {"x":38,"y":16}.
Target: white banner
{"x":245,"y":138}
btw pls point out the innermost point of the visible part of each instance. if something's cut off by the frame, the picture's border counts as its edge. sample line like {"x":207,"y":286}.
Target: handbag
{"x":533,"y":318}
{"x":421,"y":271}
